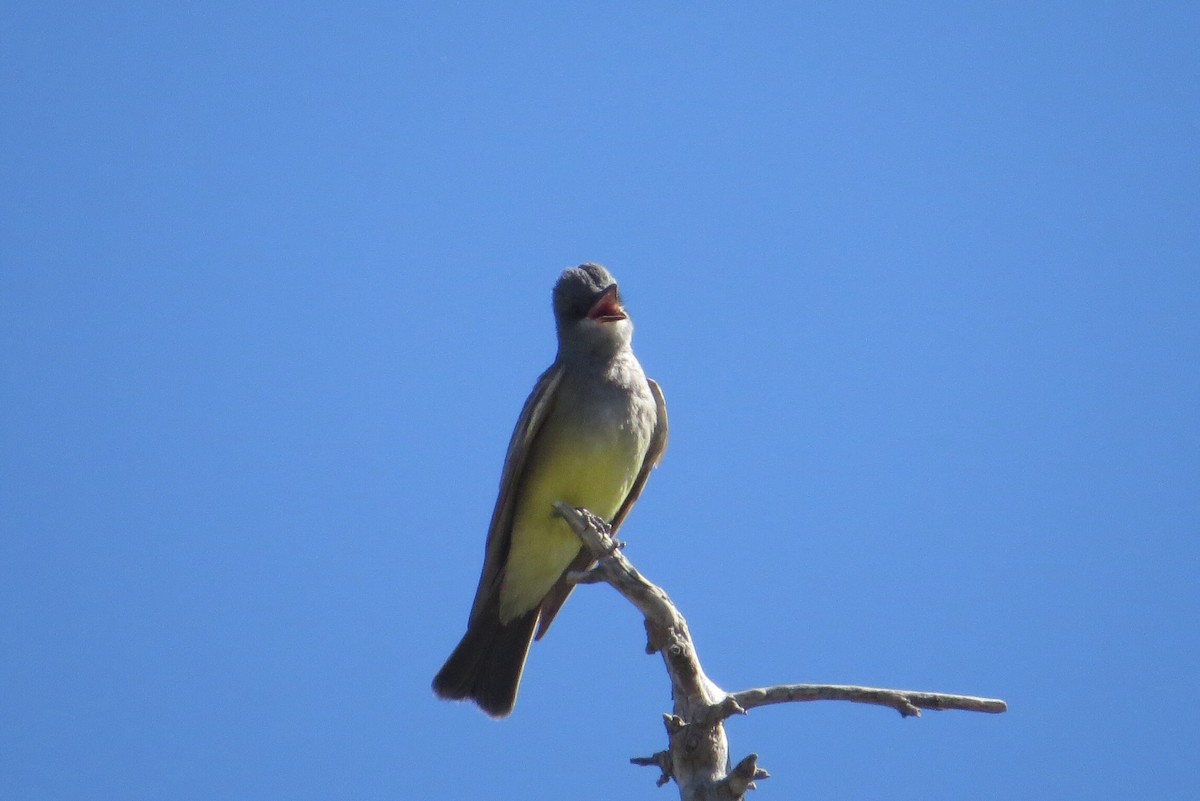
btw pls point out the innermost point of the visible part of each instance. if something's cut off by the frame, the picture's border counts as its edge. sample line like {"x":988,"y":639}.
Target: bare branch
{"x":906,"y":702}
{"x":698,"y":754}
{"x":741,"y":779}
{"x":591,"y":576}
{"x":661,"y":760}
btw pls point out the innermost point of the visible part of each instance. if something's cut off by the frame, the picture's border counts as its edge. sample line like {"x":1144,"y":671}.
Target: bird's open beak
{"x":608,"y":308}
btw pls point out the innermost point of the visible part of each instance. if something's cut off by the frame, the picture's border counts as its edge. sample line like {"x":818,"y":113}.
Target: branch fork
{"x":697,"y":757}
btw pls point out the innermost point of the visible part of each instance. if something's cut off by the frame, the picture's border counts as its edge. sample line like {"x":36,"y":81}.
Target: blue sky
{"x":920,"y":282}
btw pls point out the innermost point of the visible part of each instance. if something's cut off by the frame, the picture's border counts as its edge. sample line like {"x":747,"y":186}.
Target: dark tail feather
{"x":487,"y":664}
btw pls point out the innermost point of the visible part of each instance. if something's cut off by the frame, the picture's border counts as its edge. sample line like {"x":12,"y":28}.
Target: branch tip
{"x":660,"y":760}
{"x":747,"y":767}
{"x":742,"y":778}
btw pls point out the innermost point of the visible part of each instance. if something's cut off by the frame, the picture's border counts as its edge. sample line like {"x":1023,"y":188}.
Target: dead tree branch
{"x":906,"y":702}
{"x":697,"y":757}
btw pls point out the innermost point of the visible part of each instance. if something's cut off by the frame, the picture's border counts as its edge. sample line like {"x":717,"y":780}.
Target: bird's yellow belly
{"x":594,"y":475}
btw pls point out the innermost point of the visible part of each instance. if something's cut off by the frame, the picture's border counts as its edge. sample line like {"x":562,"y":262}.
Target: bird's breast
{"x":590,"y":450}
{"x":588,"y":454}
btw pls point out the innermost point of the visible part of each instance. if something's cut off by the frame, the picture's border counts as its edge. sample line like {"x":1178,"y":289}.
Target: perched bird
{"x":589,"y":434}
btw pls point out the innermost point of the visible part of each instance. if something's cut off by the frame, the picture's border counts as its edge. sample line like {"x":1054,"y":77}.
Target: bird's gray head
{"x":588,"y":312}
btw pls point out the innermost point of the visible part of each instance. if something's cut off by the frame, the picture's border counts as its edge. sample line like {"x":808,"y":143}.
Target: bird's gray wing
{"x":658,"y":446}
{"x":654,"y":455}
{"x":533,"y":414}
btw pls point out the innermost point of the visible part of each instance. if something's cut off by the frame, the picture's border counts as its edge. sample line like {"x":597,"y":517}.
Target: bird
{"x":588,"y":435}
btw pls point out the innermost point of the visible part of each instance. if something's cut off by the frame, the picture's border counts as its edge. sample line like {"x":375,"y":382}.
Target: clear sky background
{"x":920,"y":282}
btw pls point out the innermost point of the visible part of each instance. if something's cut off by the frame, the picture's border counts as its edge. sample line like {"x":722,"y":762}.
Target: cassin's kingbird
{"x":589,"y":434}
